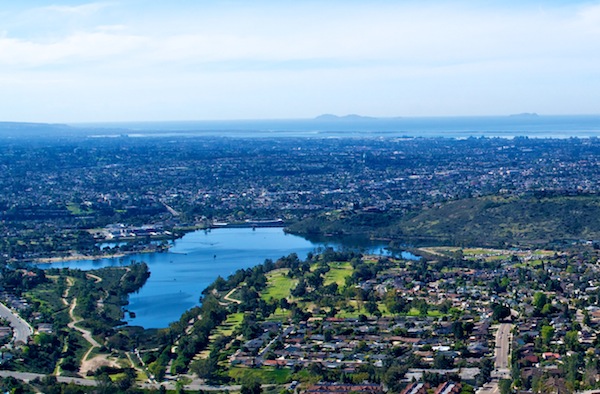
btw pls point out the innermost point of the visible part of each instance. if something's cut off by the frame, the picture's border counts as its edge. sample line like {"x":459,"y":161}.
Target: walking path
{"x":87,"y":364}
{"x":228,"y":297}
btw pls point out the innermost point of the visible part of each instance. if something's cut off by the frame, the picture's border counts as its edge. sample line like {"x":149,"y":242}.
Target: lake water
{"x":194,"y":262}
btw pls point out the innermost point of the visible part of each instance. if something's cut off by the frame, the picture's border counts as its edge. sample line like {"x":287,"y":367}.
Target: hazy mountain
{"x":524,"y":115}
{"x":26,"y":130}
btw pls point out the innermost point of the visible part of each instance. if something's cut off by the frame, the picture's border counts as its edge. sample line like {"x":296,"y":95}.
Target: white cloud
{"x":78,"y":10}
{"x":404,"y":35}
{"x":301,"y":56}
{"x":70,"y":51}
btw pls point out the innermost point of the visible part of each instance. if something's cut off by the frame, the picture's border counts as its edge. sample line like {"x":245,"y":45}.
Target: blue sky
{"x":120,"y":60}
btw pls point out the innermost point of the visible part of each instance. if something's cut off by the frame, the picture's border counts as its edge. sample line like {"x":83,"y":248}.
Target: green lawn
{"x":264,"y":375}
{"x":279,"y":315}
{"x":228,"y":326}
{"x":530,"y":263}
{"x":278,"y":285}
{"x":474,"y":251}
{"x":430,"y":313}
{"x":356,"y":313}
{"x":75,"y":209}
{"x":46,"y":295}
{"x":545,"y":253}
{"x":338,"y":273}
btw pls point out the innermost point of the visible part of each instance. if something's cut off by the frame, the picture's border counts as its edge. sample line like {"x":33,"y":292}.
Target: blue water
{"x":179,"y":276}
{"x":452,"y":127}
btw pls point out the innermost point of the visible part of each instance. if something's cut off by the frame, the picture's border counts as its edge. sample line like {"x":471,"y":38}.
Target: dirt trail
{"x":228,"y":297}
{"x":95,"y":277}
{"x":86,"y":363}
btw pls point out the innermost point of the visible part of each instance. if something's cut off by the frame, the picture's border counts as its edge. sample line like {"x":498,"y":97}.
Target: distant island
{"x":525,"y":115}
{"x":353,"y":117}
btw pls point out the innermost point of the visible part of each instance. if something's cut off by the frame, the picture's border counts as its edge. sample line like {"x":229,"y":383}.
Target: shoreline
{"x":77,"y":257}
{"x":81,"y":257}
{"x":51,"y":260}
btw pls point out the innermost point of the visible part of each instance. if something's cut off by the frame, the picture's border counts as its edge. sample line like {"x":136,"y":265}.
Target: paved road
{"x":28,"y":377}
{"x":490,"y":388}
{"x":501,"y":365}
{"x":195,"y":386}
{"x":503,"y":339}
{"x":21,"y":329}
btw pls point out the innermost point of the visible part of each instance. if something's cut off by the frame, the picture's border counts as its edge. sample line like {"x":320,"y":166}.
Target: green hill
{"x":487,"y":221}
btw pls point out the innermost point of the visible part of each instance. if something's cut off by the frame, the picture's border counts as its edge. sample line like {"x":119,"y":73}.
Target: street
{"x":21,"y":329}
{"x":502,"y":352}
{"x":501,"y":364}
{"x":28,"y":377}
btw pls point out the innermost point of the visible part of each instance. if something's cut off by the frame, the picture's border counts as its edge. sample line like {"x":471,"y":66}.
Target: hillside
{"x":29,"y":130}
{"x":487,"y":221}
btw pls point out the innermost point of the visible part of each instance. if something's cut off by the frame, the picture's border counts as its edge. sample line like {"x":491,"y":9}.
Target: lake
{"x":194,"y":262}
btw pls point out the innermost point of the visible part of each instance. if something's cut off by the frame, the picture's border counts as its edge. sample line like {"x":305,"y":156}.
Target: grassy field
{"x":264,"y":375}
{"x":279,"y":315}
{"x":278,"y":285}
{"x":430,"y":313}
{"x":356,"y":313}
{"x":230,"y":325}
{"x":226,"y":328}
{"x":338,"y":273}
{"x":491,"y":255}
{"x":48,"y":297}
{"x":76,"y":209}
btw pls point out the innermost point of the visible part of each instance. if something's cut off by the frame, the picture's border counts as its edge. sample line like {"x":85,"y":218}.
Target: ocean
{"x":532,"y":126}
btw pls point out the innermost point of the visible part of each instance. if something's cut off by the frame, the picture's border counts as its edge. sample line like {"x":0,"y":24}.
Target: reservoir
{"x":178,"y":276}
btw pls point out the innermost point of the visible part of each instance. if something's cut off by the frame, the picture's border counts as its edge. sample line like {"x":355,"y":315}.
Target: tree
{"x":104,"y":384}
{"x":126,"y":381}
{"x":220,"y":284}
{"x":158,"y":370}
{"x":505,"y":386}
{"x":445,"y":306}
{"x":371,"y":307}
{"x":393,"y":377}
{"x":394,"y":302}
{"x":572,"y":340}
{"x":205,"y":368}
{"x":441,"y":361}
{"x":251,"y":388}
{"x":485,"y":371}
{"x":586,"y":318}
{"x":458,"y":330}
{"x":500,"y":312}
{"x":547,"y":334}
{"x":539,"y":300}
{"x":467,"y":389}
{"x":572,"y":365}
{"x":300,"y":289}
{"x":423,"y":308}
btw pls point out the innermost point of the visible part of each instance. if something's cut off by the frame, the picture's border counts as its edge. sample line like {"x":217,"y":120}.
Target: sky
{"x":145,"y":60}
